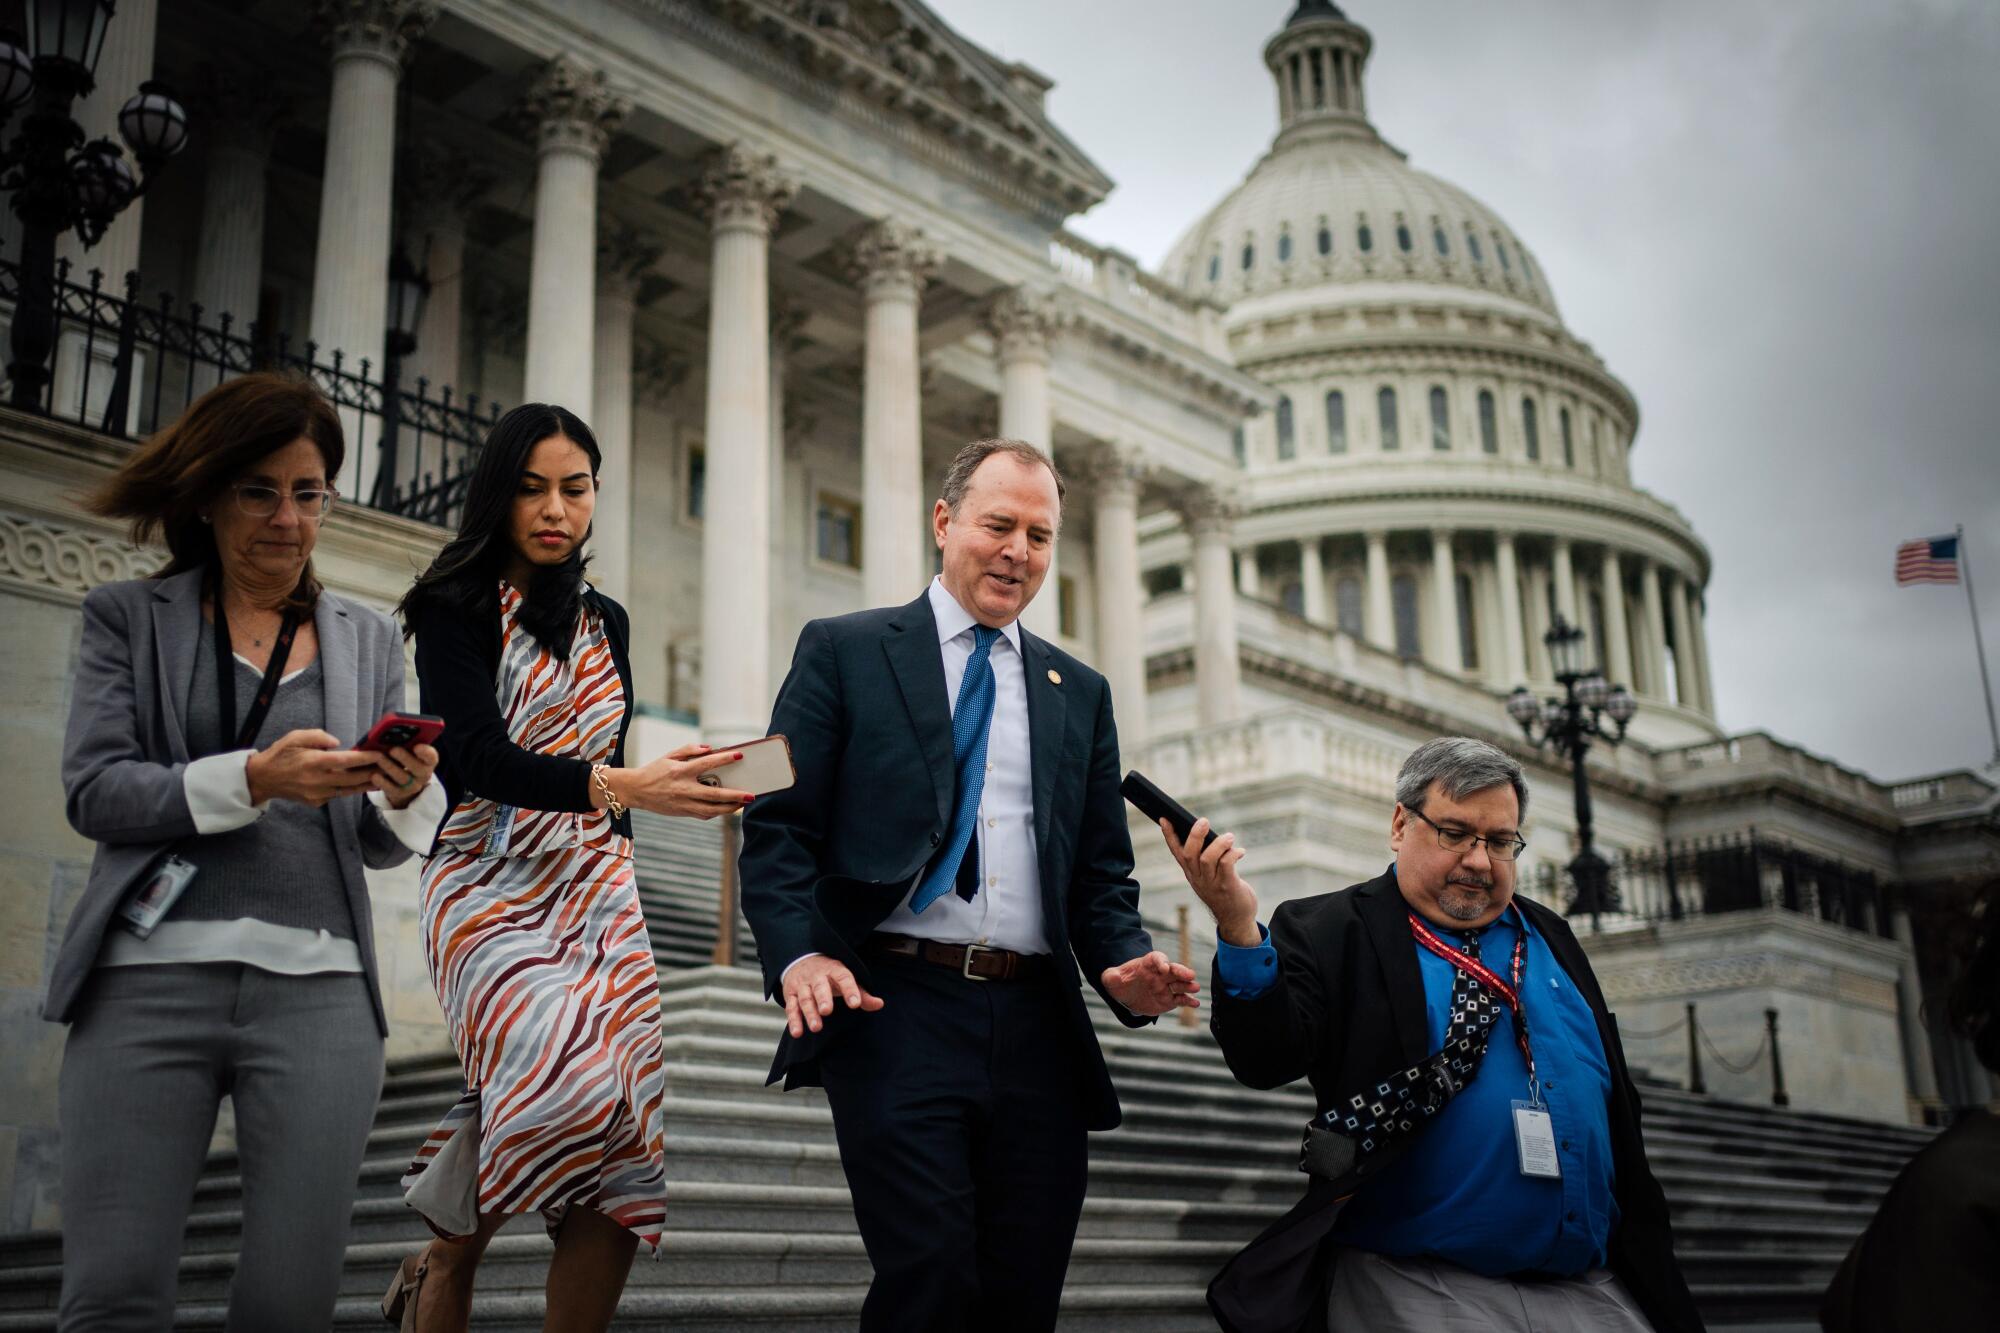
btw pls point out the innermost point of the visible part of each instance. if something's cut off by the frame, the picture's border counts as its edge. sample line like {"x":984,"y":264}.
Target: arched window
{"x":1288,"y":445}
{"x":1529,"y":429}
{"x":1284,"y":247}
{"x":1437,"y":239}
{"x":1292,"y":596}
{"x":1249,"y":255}
{"x":1403,"y":241}
{"x":1385,"y":411}
{"x":1472,"y":248}
{"x":1403,"y":599}
{"x":1365,"y":238}
{"x":1468,"y":626}
{"x":1440,"y":418}
{"x":1500,"y":248}
{"x":1568,"y":440}
{"x":1214,"y":267}
{"x":1489,"y":425}
{"x":1236,"y":443}
{"x":1347,"y":605}
{"x":1336,"y":422}
{"x":1325,"y":239}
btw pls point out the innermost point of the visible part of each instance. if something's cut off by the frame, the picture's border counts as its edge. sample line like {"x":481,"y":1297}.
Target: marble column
{"x":1618,"y":652}
{"x":1023,"y":322}
{"x":1563,"y":571}
{"x":240,"y":113}
{"x":1539,"y":665}
{"x":1249,"y":573}
{"x":1450,"y":654}
{"x":1655,"y":645}
{"x":1380,"y":623}
{"x":790,"y":541}
{"x":1312,"y":580}
{"x":1217,"y":671}
{"x":1121,"y":641}
{"x":575,"y":114}
{"x":350,"y":302}
{"x":743,"y":194}
{"x":1513,"y":643}
{"x":1704,"y":665}
{"x":439,"y":186}
{"x":623,"y":256}
{"x":892,"y":262}
{"x":1687,"y":669}
{"x":125,"y":62}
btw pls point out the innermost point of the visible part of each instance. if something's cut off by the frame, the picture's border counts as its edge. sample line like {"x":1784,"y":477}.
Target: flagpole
{"x":1979,"y":643}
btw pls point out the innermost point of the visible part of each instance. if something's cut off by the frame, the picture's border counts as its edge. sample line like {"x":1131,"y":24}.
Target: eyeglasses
{"x":257,"y":500}
{"x":1460,"y":840}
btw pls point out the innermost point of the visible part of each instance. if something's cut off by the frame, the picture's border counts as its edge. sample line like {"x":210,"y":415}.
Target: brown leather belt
{"x":974,"y":962}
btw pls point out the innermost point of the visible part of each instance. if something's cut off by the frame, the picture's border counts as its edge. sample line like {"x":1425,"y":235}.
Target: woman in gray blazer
{"x":222,"y":945}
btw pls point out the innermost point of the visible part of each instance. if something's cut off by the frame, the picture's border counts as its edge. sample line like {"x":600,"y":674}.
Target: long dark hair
{"x":165,"y":484}
{"x":464,"y":578}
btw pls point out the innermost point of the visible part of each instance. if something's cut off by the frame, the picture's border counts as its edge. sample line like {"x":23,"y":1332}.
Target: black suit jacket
{"x":825,"y":860}
{"x":1347,"y":1009}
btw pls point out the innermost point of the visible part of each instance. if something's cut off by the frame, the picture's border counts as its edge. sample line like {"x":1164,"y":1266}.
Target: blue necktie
{"x":971,"y":720}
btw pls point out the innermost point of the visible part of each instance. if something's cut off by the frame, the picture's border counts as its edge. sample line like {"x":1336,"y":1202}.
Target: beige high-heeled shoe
{"x":399,"y":1303}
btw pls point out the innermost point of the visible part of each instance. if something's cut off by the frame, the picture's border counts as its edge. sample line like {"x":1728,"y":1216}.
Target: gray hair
{"x":967,"y":460}
{"x":1460,"y":766}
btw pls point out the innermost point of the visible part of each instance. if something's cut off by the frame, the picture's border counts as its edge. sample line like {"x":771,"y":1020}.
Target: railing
{"x":1730,"y":874}
{"x":128,"y":367}
{"x":1121,"y":282}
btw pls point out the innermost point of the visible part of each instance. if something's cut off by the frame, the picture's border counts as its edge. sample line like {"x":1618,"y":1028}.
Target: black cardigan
{"x":458,"y":661}
{"x":1348,"y":1008}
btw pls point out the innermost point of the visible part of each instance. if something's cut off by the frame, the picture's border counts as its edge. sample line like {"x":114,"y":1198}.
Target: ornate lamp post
{"x":1568,"y":725}
{"x":59,"y":182}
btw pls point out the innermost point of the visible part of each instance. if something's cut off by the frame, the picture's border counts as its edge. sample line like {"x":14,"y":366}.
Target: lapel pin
{"x":1055,"y":676}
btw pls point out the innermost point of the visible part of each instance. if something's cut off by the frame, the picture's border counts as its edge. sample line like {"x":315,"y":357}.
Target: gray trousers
{"x":151,"y":1054}
{"x":1379,"y":1294}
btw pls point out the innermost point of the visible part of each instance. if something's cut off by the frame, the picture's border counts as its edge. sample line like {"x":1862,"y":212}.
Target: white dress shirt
{"x":1007,"y":911}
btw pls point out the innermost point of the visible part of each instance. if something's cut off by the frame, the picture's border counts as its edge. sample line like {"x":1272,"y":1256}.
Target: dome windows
{"x":1249,"y":255}
{"x":1336,"y":422}
{"x":1236,"y":444}
{"x":1403,"y":603}
{"x":1363,"y":237}
{"x":1500,"y":249}
{"x":1472,"y":247}
{"x":1385,"y":412}
{"x":1489,"y":424}
{"x":1440,"y":419}
{"x":1325,"y":238}
{"x":1443,"y":246}
{"x":1568,"y":439}
{"x":1284,"y":247}
{"x":1403,"y":241}
{"x":1215,"y":267}
{"x":1288,"y":440}
{"x":1530,"y":428}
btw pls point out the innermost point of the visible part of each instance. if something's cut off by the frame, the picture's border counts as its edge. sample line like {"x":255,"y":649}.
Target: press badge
{"x":158,"y":892}
{"x":1535,"y":1136}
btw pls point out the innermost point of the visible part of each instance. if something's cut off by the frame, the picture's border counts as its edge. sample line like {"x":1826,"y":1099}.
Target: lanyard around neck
{"x":225,"y":672}
{"x":1508,"y":990}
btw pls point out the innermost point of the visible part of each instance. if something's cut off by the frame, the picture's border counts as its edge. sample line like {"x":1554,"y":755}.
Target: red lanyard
{"x":1490,"y":979}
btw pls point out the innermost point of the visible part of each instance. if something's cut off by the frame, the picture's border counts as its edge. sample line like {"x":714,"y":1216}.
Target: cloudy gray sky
{"x":1779,"y":222}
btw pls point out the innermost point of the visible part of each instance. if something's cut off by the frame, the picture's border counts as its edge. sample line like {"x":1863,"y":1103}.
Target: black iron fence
{"x":127,"y":366}
{"x":1737,"y":873}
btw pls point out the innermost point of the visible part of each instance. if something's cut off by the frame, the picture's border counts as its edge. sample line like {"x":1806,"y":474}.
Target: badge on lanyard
{"x":1535,"y":1136}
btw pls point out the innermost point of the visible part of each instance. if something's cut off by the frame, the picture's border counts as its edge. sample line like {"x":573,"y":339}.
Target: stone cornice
{"x":572,"y":108}
{"x":744,"y":188}
{"x":385,"y":29}
{"x":893,"y":257}
{"x":901,"y":84}
{"x":1194,"y":370}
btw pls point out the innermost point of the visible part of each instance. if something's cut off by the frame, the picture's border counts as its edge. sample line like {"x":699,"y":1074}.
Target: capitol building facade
{"x":1335,"y":469}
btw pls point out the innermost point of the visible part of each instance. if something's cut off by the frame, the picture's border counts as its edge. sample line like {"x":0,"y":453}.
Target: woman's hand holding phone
{"x":671,"y":784}
{"x":403,"y":771}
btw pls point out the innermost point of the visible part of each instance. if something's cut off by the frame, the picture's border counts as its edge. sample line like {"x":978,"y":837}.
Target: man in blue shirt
{"x":1523,"y":1201}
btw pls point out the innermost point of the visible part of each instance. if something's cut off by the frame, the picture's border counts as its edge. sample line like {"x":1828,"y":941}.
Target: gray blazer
{"x":127,"y":745}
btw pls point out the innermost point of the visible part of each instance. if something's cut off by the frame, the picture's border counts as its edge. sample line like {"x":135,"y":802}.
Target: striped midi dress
{"x":539,"y":953}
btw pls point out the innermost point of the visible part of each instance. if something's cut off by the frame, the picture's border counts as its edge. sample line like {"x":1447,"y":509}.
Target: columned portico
{"x":1023,"y":322}
{"x":892,"y":262}
{"x":575,"y":113}
{"x":369,"y":41}
{"x":623,"y":257}
{"x":744,"y":193}
{"x":242,"y":114}
{"x":1121,"y":640}
{"x":1217,"y":672}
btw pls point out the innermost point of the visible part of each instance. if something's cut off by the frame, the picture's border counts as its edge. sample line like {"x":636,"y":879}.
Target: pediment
{"x":903,"y":58}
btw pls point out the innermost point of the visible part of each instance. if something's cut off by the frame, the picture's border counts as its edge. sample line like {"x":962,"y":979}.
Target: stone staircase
{"x":762,"y":1236}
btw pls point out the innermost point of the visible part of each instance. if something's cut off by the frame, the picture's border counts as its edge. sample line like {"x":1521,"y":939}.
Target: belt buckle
{"x":965,"y":966}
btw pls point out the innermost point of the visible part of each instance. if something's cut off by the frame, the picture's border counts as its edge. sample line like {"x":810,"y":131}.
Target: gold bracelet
{"x":610,"y":801}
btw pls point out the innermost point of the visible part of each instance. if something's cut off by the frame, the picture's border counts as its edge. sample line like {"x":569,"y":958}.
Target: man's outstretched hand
{"x":1152,"y":984}
{"x":812,"y":984}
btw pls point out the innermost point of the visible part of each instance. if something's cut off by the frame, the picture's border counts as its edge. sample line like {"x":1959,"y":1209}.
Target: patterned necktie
{"x":1401,"y":1103}
{"x":971,"y":720}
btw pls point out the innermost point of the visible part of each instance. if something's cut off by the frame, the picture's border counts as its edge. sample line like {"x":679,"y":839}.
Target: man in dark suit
{"x":953,"y":847}
{"x":1482,"y":1165}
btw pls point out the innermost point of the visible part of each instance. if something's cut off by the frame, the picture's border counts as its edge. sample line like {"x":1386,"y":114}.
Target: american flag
{"x":1927,"y":560}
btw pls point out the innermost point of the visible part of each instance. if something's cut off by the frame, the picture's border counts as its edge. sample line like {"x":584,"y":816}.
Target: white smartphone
{"x":766,"y":766}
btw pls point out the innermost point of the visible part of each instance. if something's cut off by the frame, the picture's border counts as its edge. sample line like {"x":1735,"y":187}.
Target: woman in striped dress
{"x":532,"y":925}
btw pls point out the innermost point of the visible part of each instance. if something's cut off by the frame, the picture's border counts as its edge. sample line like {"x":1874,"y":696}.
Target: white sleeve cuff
{"x":415,"y":825}
{"x":794,"y":963}
{"x":218,"y":792}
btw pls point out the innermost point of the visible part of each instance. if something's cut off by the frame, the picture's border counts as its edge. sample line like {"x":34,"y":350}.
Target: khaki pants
{"x":1377,"y":1294}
